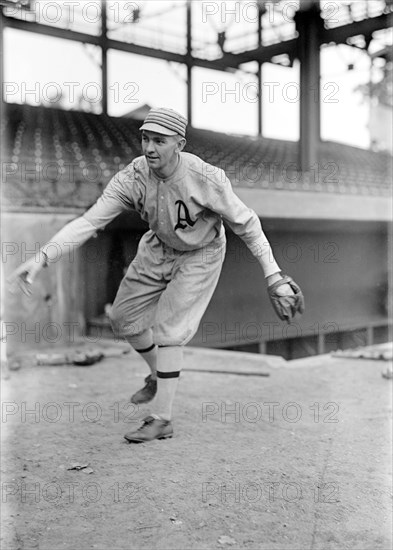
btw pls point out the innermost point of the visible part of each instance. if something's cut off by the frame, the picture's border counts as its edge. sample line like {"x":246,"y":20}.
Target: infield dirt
{"x":297,"y":459}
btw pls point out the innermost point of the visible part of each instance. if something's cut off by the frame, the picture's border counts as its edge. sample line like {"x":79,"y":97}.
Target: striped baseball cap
{"x":165,"y":121}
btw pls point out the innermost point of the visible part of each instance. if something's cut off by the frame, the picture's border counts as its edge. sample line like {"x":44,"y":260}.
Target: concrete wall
{"x":341,"y":267}
{"x":55,"y":311}
{"x":73,"y":289}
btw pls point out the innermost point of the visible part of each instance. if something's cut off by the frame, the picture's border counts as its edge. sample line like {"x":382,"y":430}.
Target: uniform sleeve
{"x":119,"y":195}
{"x":244,"y":222}
{"x":71,"y":236}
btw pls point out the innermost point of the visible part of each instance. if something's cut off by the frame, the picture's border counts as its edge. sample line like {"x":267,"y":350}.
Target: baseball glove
{"x":286,"y":305}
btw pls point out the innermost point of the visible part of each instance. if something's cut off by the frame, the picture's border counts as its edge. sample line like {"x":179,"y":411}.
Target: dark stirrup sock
{"x":149,"y":354}
{"x":146,"y":350}
{"x":172,"y":374}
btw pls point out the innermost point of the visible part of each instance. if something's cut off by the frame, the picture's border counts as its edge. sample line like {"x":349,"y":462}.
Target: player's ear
{"x":181,"y":143}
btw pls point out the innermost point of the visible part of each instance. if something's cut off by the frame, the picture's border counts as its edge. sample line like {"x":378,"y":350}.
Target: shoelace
{"x":146,"y":422}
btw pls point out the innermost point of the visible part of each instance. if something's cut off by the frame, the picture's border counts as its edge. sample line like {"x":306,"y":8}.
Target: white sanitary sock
{"x":169,"y":365}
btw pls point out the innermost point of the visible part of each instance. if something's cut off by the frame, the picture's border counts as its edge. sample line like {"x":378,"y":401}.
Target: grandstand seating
{"x":54,"y":157}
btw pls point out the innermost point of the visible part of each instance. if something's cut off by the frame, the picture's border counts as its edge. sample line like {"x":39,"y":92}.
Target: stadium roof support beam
{"x":228,"y":60}
{"x":259,"y":72}
{"x":104,"y":59}
{"x":65,"y":34}
{"x":189,"y":63}
{"x":261,"y":54}
{"x":338,"y":35}
{"x":366,"y":27}
{"x":308,"y":25}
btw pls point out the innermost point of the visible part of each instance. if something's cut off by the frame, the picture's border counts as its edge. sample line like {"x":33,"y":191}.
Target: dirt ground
{"x":299,"y":459}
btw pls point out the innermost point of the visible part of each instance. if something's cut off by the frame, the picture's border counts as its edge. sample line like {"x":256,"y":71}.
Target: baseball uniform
{"x":170,"y":282}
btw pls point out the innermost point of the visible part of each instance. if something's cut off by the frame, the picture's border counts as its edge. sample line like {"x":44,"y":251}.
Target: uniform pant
{"x":167,"y":290}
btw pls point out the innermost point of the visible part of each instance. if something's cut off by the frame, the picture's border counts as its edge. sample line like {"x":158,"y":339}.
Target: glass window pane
{"x":225,"y":102}
{"x":34,"y":75}
{"x":281,"y":101}
{"x":344,"y":109}
{"x":135,"y":80}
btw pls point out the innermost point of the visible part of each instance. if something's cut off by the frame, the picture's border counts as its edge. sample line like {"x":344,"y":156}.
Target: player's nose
{"x":149,"y":146}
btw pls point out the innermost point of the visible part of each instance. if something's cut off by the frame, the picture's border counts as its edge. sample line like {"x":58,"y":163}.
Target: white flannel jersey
{"x":185,"y":210}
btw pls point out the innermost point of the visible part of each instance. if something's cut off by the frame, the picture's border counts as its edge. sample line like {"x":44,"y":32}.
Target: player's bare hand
{"x":23,"y":276}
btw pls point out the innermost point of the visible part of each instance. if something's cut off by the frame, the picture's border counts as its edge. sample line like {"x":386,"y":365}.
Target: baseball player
{"x":169,"y":284}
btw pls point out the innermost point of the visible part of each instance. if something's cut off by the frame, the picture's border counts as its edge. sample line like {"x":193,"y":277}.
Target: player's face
{"x":161,"y":151}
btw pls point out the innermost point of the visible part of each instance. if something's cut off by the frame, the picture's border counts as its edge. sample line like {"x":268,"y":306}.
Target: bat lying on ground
{"x":79,"y":357}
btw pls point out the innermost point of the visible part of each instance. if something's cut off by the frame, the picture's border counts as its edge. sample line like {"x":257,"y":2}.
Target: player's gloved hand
{"x":286,"y":297}
{"x":24,"y":275}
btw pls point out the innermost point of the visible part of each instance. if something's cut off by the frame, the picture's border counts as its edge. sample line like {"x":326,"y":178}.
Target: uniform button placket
{"x":161,"y":197}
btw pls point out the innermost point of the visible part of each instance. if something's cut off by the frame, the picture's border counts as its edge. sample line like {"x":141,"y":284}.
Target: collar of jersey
{"x":176,"y":175}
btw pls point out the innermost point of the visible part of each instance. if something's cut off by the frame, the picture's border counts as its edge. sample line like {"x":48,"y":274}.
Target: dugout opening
{"x":339,"y":314}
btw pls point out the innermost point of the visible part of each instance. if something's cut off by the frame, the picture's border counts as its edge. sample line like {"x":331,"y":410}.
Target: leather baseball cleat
{"x":152,"y":428}
{"x":147,"y":393}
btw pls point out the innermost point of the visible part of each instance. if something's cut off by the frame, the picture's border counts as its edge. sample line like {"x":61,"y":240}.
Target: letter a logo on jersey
{"x":182,"y":209}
